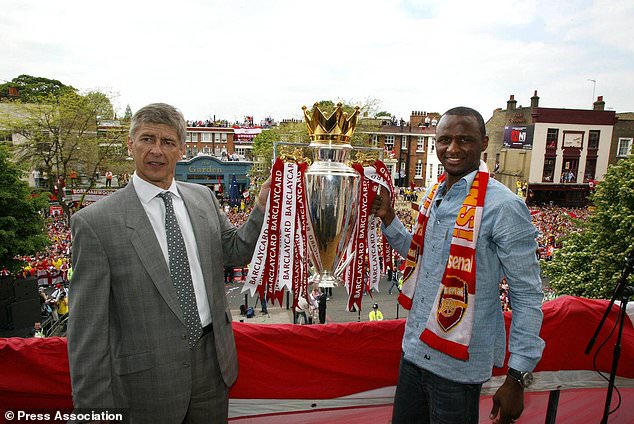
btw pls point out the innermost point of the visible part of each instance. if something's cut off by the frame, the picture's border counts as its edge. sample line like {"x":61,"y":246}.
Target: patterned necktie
{"x":180,"y":272}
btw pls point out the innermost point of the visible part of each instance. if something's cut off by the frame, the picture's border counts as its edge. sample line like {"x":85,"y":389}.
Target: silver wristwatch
{"x":523,"y":378}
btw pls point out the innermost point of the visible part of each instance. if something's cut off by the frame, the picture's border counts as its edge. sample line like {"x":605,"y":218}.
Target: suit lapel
{"x":149,"y":251}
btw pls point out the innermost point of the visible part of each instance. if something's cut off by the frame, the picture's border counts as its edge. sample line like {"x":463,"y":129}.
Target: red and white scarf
{"x":450,"y":321}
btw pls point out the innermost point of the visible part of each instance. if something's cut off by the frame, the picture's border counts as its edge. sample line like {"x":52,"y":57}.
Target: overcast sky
{"x":268,"y":58}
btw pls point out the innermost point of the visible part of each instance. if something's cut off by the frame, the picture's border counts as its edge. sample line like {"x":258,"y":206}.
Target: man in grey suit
{"x":150,"y":326}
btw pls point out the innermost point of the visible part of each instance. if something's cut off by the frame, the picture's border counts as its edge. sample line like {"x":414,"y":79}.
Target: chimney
{"x":416,"y":118}
{"x":534,"y":100}
{"x":511,"y":103}
{"x":599,"y":104}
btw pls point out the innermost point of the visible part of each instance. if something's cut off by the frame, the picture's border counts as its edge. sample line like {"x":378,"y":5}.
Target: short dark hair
{"x":467,"y":111}
{"x":160,"y":113}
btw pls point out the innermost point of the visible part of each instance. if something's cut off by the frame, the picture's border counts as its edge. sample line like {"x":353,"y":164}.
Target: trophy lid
{"x":335,"y":129}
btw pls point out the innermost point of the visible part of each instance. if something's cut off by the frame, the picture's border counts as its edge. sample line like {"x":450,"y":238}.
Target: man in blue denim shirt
{"x":433,"y":386}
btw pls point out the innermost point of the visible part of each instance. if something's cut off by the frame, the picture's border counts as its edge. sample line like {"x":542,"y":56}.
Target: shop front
{"x":566,"y":195}
{"x":216,"y":174}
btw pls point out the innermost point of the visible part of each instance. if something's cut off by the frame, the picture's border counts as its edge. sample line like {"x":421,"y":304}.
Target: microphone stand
{"x":624,"y":292}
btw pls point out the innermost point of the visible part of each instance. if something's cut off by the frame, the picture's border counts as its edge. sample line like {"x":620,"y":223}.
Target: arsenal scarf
{"x":450,"y":321}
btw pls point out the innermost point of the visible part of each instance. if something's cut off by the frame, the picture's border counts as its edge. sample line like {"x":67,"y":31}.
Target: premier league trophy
{"x":320,"y":214}
{"x":332,"y":189}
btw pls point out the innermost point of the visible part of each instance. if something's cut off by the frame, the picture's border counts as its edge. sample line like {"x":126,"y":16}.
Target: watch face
{"x":527,"y":379}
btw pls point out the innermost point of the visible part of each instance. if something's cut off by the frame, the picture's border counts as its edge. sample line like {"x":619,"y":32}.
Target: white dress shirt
{"x":155,"y":210}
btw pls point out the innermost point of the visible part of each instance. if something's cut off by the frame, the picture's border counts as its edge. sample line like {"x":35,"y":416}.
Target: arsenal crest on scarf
{"x":319,"y":215}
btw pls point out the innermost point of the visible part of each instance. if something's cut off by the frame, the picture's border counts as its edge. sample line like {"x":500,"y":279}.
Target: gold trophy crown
{"x":337,"y":128}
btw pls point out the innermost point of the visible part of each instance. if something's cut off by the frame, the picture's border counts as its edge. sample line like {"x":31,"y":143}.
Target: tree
{"x":55,"y":132}
{"x":22,"y":230}
{"x":35,"y":89}
{"x":591,"y":261}
{"x":61,"y":135}
{"x":128,"y":113}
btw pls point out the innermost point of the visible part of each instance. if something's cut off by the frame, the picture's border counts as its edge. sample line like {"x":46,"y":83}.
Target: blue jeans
{"x":424,"y":397}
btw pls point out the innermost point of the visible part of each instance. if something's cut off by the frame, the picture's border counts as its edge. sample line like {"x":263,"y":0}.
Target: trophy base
{"x":324,"y":280}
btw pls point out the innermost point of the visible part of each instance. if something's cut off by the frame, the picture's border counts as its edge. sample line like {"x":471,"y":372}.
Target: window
{"x":193,"y":136}
{"x":625,"y":147}
{"x":390,"y":168}
{"x":593,"y":139}
{"x":402,"y":173}
{"x":591,"y":166}
{"x":431,"y":170}
{"x":375,"y":140}
{"x":223,"y":137}
{"x":403,"y":140}
{"x":432,"y":144}
{"x":420,"y":144}
{"x":549,"y":170}
{"x":569,"y":171}
{"x":441,"y":170}
{"x":389,"y":143}
{"x":551,"y":138}
{"x":419,"y":169}
{"x":207,"y":136}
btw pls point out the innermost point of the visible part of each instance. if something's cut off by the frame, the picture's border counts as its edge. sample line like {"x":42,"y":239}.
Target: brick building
{"x":622,"y":137}
{"x":558,"y":154}
{"x":211,"y":141}
{"x":410,"y":153}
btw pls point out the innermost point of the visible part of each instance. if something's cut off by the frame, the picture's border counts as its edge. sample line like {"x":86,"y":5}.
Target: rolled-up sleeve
{"x":397,"y":235}
{"x":514,"y":237}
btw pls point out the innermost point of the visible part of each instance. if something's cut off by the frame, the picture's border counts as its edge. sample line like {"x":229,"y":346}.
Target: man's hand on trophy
{"x":382,"y":206}
{"x":263,"y":196}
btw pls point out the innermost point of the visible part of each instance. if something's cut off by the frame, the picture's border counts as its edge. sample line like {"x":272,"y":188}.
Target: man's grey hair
{"x":160,"y":113}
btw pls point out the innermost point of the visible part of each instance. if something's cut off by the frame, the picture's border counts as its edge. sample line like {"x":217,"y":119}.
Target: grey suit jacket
{"x":127,"y":343}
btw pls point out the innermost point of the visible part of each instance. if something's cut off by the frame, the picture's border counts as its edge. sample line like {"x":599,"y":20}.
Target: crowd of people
{"x":53,"y":269}
{"x":553,"y":223}
{"x":238,"y":214}
{"x":208,"y":123}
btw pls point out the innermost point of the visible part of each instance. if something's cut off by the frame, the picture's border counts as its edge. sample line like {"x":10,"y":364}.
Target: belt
{"x":207,"y":329}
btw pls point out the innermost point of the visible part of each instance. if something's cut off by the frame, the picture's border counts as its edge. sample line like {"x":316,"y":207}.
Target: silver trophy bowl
{"x":332,"y":190}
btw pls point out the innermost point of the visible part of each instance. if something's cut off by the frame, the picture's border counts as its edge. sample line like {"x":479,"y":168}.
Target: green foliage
{"x":287,"y":132}
{"x":22,"y":230}
{"x":128,"y":113}
{"x":61,"y":133}
{"x":35,"y":89}
{"x":590,"y":262}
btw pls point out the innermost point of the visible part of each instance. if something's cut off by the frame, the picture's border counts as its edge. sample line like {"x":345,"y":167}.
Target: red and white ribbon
{"x":280,"y":261}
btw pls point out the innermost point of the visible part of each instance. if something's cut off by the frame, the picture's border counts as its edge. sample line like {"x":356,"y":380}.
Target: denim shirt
{"x":506,"y":246}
